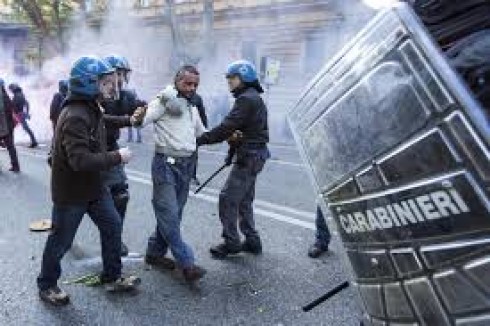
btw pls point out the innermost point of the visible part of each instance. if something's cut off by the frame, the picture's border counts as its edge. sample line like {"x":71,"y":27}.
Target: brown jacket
{"x":79,"y":152}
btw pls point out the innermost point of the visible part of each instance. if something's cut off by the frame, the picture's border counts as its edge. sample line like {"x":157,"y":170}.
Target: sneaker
{"x":14,"y":169}
{"x":222,"y":250}
{"x":54,"y":296}
{"x":124,"y":250}
{"x":252,"y":246}
{"x":33,"y":145}
{"x":123,"y":284}
{"x":160,"y":262}
{"x":316,"y":251}
{"x":194,"y":273}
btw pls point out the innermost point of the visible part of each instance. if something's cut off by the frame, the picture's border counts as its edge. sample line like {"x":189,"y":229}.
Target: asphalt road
{"x":245,"y":290}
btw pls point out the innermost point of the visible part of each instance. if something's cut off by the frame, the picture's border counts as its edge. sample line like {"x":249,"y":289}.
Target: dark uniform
{"x":115,"y":178}
{"x":21,"y":108}
{"x":7,"y":128}
{"x":249,"y":115}
{"x":57,"y":104}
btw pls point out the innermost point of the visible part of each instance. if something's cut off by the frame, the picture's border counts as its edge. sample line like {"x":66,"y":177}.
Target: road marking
{"x":275,"y":161}
{"x":263,"y":212}
{"x":272,"y":160}
{"x":142,"y":178}
{"x":213,"y":191}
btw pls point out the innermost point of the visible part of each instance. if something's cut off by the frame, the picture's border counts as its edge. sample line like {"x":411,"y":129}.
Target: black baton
{"x":210,"y":178}
{"x":326,"y":296}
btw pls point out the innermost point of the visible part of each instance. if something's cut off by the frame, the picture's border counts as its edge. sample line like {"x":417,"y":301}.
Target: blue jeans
{"x":322,"y":233}
{"x":138,"y":134}
{"x":66,"y":220}
{"x":170,"y":191}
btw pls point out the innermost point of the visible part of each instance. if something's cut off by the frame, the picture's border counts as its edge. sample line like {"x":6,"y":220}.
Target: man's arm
{"x":235,"y":120}
{"x":155,"y":111}
{"x":198,"y":124}
{"x":202,"y":111}
{"x":134,"y":102}
{"x":117,"y":122}
{"x":76,"y":142}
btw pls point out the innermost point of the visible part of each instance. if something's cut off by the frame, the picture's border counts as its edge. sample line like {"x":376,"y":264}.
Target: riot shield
{"x":398,"y":149}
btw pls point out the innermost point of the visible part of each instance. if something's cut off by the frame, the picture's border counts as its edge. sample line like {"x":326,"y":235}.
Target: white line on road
{"x":142,"y":178}
{"x":276,"y":161}
{"x":213,"y":191}
{"x":260,"y":211}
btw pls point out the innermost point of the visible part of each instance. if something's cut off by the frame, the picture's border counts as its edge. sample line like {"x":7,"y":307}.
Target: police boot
{"x":224,"y":249}
{"x":253,"y":246}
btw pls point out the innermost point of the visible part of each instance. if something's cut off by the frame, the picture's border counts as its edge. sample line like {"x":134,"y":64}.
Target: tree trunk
{"x":208,"y":23}
{"x":58,"y":24}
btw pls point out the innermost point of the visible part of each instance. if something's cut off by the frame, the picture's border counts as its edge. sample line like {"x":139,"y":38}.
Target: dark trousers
{"x":322,"y":232}
{"x":170,"y":192}
{"x":66,"y":220}
{"x":9,"y":144}
{"x":236,"y":201}
{"x":27,"y":129}
{"x":115,"y":180}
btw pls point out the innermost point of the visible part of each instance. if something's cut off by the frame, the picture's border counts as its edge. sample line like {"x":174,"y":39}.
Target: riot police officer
{"x":248,"y":115}
{"x":7,"y":126}
{"x":79,"y":154}
{"x":57,"y":102}
{"x":125,"y":104}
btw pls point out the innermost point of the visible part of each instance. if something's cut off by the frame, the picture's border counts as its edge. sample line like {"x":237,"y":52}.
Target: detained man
{"x":176,"y":123}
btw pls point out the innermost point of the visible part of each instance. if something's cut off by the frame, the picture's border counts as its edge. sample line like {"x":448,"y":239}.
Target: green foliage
{"x":44,"y":16}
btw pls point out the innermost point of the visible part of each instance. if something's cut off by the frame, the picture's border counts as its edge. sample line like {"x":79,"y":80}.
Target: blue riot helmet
{"x":244,"y":69}
{"x":85,"y":75}
{"x":63,"y":86}
{"x":121,"y":64}
{"x":118,"y":62}
{"x":247,"y":73}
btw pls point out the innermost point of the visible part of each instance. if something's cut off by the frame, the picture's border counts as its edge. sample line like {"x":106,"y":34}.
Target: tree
{"x":47,"y":19}
{"x":180,"y":54}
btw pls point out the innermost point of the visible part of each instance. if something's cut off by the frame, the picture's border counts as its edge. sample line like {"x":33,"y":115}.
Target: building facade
{"x":300,"y":35}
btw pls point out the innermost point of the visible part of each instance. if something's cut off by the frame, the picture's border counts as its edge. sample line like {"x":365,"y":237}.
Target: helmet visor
{"x":108,"y":86}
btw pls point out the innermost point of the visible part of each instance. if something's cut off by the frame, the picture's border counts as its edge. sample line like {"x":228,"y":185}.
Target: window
{"x":89,"y":5}
{"x":144,"y":3}
{"x":249,"y":51}
{"x":314,"y":54}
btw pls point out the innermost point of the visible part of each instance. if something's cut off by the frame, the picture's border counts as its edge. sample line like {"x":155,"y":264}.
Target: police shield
{"x":398,"y":148}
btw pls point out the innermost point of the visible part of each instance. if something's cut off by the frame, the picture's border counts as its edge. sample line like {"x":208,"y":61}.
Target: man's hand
{"x":125,"y":154}
{"x":138,"y":116}
{"x":235,"y":138}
